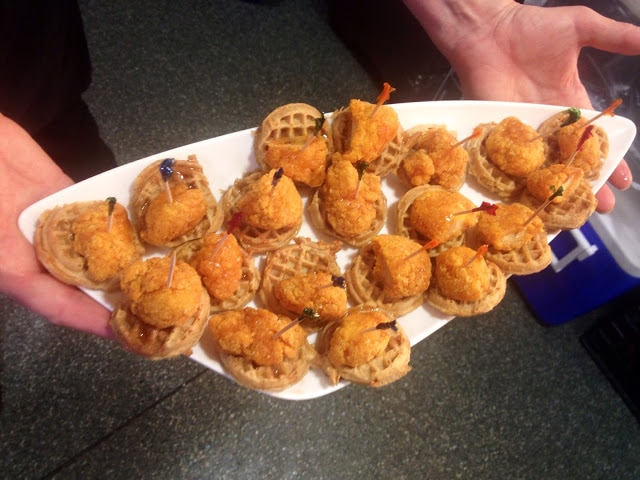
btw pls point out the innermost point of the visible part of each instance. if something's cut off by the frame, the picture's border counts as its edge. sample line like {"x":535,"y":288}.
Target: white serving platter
{"x":228,"y":157}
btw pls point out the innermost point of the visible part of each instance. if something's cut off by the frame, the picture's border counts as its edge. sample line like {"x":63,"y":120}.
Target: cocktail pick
{"x":172,"y":267}
{"x":277,"y":175}
{"x":336,"y":281}
{"x":430,"y":244}
{"x":489,"y":208}
{"x":112,"y":203}
{"x":384,"y":95}
{"x":477,"y":132}
{"x":307,"y":313}
{"x":166,"y":170}
{"x":234,"y":223}
{"x":482,"y":249}
{"x":361,"y":167}
{"x":586,"y":135}
{"x":392,"y":325}
{"x":319,"y":122}
{"x":556,"y":192}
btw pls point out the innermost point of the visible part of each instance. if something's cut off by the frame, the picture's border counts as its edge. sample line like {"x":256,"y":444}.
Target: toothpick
{"x":112,"y":203}
{"x":489,"y":208}
{"x":307,"y":313}
{"x":277,"y":175}
{"x":392,"y":325}
{"x":478,"y":255}
{"x":235,"y":222}
{"x":556,"y":193}
{"x":166,"y":170}
{"x":172,"y":267}
{"x":430,"y":244}
{"x":477,"y":132}
{"x":336,"y":281}
{"x":586,"y":135}
{"x":319,"y":122}
{"x":361,"y":166}
{"x":385,"y":94}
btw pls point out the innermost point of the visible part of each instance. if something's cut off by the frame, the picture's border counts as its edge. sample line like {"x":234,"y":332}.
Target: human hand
{"x":502,"y":50}
{"x":28,"y":175}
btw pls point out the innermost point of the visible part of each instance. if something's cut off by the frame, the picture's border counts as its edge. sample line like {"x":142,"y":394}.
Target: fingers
{"x":606,"y":200}
{"x":597,"y":31}
{"x":621,"y":177}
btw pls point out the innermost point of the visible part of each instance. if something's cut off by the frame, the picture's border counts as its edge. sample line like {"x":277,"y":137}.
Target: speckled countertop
{"x":495,"y":396}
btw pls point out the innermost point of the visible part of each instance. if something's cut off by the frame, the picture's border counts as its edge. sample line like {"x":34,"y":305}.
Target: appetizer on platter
{"x":516,"y":238}
{"x":464,"y":283}
{"x":350,"y":205}
{"x":171,"y":203}
{"x":163,"y":310}
{"x":502,"y":156}
{"x":301,"y":275}
{"x":433,"y":156}
{"x":390,"y":272}
{"x":369,"y":133}
{"x":260,"y":349}
{"x":366,"y":346}
{"x":271,"y":209}
{"x":295,"y":137}
{"x":430,"y":213}
{"x":87,"y":244}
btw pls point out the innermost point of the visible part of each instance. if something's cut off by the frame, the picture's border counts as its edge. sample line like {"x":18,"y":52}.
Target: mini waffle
{"x":158,"y":343}
{"x":248,"y":283}
{"x":289,"y":122}
{"x":486,"y":173}
{"x":495,"y":294}
{"x":571,"y":213}
{"x":149,"y":184}
{"x":365,"y":289}
{"x":54,"y":246}
{"x":532,"y":257}
{"x":392,"y":365}
{"x":254,"y":239}
{"x":301,"y":257}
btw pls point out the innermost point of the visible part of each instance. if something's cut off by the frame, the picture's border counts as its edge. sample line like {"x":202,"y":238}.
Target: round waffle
{"x":494,"y":295}
{"x":571,"y":213}
{"x":254,"y":239}
{"x":149,"y":184}
{"x":53,"y":243}
{"x":365,"y":289}
{"x":158,"y":343}
{"x":293,"y":122}
{"x":249,"y":281}
{"x":382,"y":370}
{"x":301,"y":257}
{"x":532,"y":257}
{"x":486,"y":173}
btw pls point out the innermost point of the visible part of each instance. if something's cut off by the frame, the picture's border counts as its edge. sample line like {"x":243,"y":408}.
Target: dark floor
{"x":497,"y":396}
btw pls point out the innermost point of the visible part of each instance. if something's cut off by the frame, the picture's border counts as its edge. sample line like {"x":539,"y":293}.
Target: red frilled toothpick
{"x":383,"y":97}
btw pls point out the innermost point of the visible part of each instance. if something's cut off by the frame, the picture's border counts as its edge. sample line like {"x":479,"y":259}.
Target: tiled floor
{"x":497,"y":396}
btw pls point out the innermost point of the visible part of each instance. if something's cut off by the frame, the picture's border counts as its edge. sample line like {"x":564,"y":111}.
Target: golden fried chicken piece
{"x":312,"y":290}
{"x":301,"y":161}
{"x":432,"y":160}
{"x":432,"y":214}
{"x":461,"y":275}
{"x":402,"y":271}
{"x":166,"y":220}
{"x":250,"y":333}
{"x":106,"y":251}
{"x":544,"y":182}
{"x":514,"y":148}
{"x":588,"y":158}
{"x":144,"y":284}
{"x":351,"y":346}
{"x":506,"y":230}
{"x":219,"y":264}
{"x":370,"y":132}
{"x":351,"y":208}
{"x":271,"y":207}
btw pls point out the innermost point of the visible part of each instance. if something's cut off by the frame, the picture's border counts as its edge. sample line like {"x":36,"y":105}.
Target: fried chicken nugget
{"x":514,"y":148}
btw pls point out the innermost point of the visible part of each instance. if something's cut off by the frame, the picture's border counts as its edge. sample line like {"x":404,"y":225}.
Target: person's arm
{"x":27,"y":175}
{"x":502,"y":50}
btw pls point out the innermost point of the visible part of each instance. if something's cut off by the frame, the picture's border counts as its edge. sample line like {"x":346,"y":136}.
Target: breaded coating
{"x":370,"y":134}
{"x":250,"y":332}
{"x":351,"y":346}
{"x":402,"y":271}
{"x":347,"y":213}
{"x":271,"y":207}
{"x":544,"y":182}
{"x":432,"y":215}
{"x":512,"y":148}
{"x":505,"y":231}
{"x":165,"y":220}
{"x":460,"y":275}
{"x":219,"y":264}
{"x":105,"y":252}
{"x":144,"y":284}
{"x":301,"y":161}
{"x":312,"y":290}
{"x":434,"y":147}
{"x":588,"y":157}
